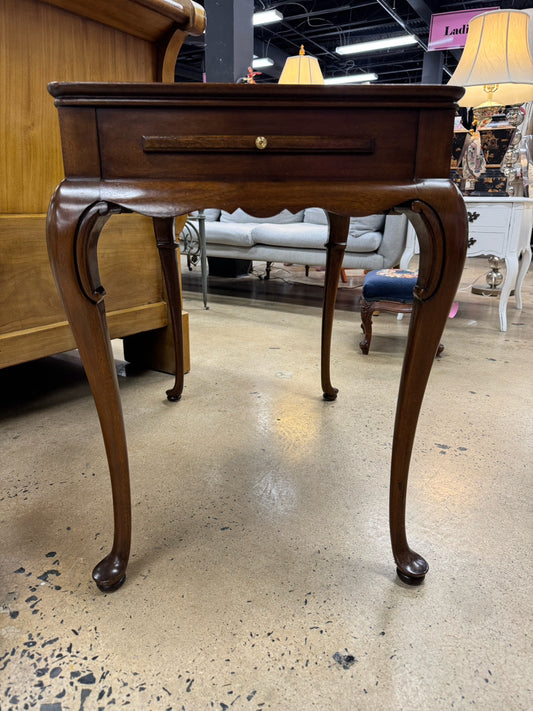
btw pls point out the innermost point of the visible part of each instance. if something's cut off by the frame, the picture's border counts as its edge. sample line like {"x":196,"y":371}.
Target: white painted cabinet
{"x":501,"y":227}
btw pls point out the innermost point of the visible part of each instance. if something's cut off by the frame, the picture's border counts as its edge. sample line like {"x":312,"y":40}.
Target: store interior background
{"x":321,"y":26}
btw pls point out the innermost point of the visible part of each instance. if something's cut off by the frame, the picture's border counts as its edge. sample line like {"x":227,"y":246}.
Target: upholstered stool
{"x":386,"y":290}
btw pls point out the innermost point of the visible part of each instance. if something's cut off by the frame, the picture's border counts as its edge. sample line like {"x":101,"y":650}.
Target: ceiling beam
{"x":264,"y":49}
{"x":402,"y":23}
{"x":424,"y":11}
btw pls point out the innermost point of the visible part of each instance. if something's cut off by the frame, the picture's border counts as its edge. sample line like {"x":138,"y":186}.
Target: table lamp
{"x":496,"y":67}
{"x":301,"y":69}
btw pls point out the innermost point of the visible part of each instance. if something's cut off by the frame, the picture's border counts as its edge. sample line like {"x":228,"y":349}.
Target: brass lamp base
{"x":493,"y":278}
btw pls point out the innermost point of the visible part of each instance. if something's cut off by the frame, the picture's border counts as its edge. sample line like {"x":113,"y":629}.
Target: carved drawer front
{"x":250,"y":144}
{"x":488,"y":230}
{"x":487,"y":243}
{"x":490,"y":217}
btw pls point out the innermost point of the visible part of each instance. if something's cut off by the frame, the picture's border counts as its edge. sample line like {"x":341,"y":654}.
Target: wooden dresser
{"x":122,"y":40}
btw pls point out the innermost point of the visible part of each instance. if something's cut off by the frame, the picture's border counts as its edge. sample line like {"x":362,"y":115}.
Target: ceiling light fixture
{"x":262,"y":62}
{"x":388,"y":43}
{"x":267,"y":17}
{"x":351,"y":78}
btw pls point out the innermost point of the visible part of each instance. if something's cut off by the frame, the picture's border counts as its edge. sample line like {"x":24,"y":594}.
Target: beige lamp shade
{"x":301,"y":69}
{"x":496,"y":67}
{"x":530,"y":13}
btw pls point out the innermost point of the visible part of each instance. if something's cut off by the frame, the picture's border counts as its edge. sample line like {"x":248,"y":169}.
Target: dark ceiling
{"x":323,"y":25}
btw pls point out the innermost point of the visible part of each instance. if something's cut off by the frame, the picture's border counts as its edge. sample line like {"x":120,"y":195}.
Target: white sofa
{"x":374,"y":242}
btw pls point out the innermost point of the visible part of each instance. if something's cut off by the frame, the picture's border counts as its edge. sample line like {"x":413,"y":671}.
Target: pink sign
{"x":449,"y":30}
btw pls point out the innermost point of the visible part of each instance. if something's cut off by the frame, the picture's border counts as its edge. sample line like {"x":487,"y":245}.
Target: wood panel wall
{"x":40,"y":43}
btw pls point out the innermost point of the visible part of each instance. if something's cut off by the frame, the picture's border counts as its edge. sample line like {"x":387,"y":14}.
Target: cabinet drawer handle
{"x":472,"y":216}
{"x":471,"y":241}
{"x":212,"y":143}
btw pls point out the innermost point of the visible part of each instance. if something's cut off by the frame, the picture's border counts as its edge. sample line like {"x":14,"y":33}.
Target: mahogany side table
{"x":166,"y":150}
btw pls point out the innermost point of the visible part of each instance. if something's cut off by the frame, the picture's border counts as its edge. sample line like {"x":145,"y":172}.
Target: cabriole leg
{"x":167,"y":246}
{"x":525,"y":261}
{"x":441,"y":226}
{"x":73,"y":229}
{"x":367,"y":311}
{"x":336,"y":245}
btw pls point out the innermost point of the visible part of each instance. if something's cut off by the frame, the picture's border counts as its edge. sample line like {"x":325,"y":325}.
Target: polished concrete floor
{"x":261,"y":575}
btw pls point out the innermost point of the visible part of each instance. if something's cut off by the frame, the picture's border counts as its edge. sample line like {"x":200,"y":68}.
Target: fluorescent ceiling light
{"x":267,"y":17}
{"x":376,"y":44}
{"x":351,"y":79}
{"x":262,"y":62}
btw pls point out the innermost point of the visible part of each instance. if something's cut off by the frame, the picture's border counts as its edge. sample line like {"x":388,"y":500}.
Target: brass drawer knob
{"x":261,"y":143}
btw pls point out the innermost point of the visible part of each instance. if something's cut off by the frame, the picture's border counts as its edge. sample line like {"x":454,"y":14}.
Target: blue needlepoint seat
{"x":390,"y":285}
{"x":386,"y":290}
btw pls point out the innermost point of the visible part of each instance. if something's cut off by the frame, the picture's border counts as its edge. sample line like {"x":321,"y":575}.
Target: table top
{"x":423,"y":95}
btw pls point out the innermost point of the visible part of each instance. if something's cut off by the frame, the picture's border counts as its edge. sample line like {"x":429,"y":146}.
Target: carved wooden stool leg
{"x":443,"y":242}
{"x":166,"y":244}
{"x":367,"y":310}
{"x":73,"y":229}
{"x":336,"y":244}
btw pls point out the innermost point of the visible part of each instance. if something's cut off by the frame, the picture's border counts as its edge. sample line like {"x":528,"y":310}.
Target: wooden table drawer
{"x":190,"y":143}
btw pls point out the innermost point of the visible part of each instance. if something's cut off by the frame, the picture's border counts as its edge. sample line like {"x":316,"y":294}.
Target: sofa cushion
{"x":358,"y":225}
{"x":394,"y":236}
{"x":304,"y":236}
{"x":315,"y":215}
{"x":366,"y":242}
{"x":370,"y":223}
{"x":283,"y":218}
{"x":312,"y":257}
{"x":309,"y":236}
{"x":210,"y":213}
{"x":229,"y":233}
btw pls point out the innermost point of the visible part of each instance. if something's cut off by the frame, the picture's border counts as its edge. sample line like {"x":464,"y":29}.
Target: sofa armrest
{"x":394,"y":239}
